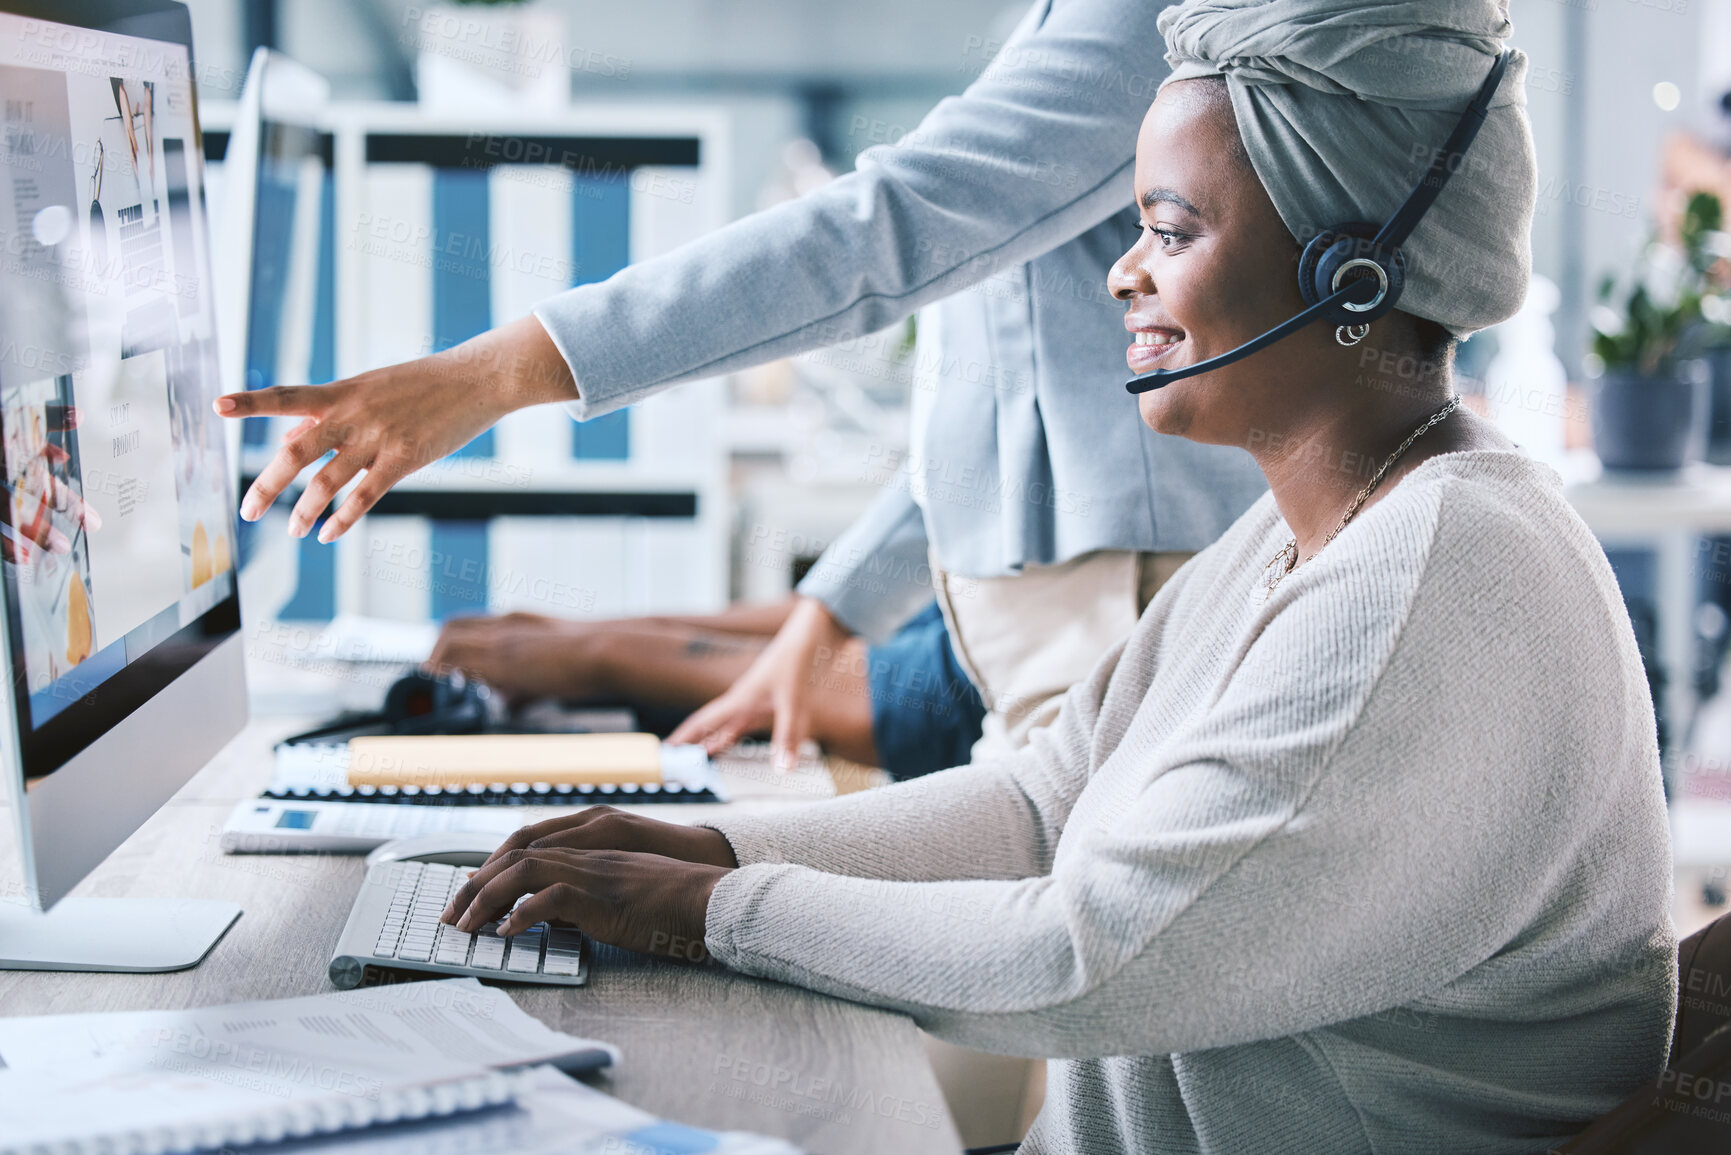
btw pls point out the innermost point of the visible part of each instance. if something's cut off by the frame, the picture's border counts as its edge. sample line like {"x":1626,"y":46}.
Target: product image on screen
{"x":119,"y":528}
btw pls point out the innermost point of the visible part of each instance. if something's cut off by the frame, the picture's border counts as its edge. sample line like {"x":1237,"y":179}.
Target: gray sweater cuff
{"x":753,"y":840}
{"x":727,"y":921}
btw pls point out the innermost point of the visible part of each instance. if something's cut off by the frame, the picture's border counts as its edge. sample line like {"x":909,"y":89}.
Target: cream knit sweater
{"x":1378,"y":863}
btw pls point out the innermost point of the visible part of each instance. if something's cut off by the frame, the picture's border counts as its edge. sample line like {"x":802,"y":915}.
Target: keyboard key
{"x":452,"y":949}
{"x":416,"y":951}
{"x":561,"y":963}
{"x":525,"y":952}
{"x":489,"y":950}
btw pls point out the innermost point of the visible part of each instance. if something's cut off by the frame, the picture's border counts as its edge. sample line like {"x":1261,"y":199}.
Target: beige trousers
{"x":1024,"y":641}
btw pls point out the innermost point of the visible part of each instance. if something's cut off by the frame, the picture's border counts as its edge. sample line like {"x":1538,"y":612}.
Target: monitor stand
{"x":136,"y":935}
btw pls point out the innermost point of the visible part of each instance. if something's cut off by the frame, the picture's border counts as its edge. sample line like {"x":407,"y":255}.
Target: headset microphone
{"x":1356,"y":247}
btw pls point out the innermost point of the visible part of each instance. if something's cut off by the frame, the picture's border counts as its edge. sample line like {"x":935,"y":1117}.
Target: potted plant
{"x":1650,"y":400}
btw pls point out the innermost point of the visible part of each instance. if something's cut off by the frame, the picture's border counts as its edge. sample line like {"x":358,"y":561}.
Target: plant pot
{"x":1649,"y":425}
{"x":1719,"y":409}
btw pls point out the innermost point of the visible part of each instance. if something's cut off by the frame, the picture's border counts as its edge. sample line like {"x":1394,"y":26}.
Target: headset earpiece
{"x":1336,"y":257}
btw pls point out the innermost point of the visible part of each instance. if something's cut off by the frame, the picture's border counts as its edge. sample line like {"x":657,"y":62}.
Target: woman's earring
{"x":1350,"y":335}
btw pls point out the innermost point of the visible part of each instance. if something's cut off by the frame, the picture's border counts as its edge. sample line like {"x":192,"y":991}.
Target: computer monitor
{"x":121,"y":627}
{"x":275,"y":226}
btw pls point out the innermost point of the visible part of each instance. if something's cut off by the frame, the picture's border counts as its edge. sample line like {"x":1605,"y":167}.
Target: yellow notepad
{"x":467,"y":759}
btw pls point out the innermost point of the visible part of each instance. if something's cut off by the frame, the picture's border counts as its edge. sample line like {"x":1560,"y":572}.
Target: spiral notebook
{"x":553,"y":1115}
{"x":228,"y":1076}
{"x":320,"y":771}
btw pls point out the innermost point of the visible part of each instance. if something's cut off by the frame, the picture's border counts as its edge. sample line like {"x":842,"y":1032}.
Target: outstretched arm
{"x":1037,"y":151}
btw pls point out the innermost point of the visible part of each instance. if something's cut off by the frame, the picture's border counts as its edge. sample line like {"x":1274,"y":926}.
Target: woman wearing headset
{"x":1357,"y":843}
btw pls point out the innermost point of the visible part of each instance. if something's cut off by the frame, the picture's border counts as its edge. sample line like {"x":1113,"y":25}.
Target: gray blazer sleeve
{"x":1035,"y":152}
{"x":876,"y":575}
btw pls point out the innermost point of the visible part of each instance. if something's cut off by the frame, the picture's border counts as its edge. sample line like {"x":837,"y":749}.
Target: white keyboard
{"x":395,"y":925}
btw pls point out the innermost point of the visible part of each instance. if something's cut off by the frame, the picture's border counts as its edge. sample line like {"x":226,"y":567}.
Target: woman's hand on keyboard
{"x":606,"y":828}
{"x":643,"y":902}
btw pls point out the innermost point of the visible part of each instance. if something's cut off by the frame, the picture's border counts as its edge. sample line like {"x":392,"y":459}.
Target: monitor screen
{"x":291,"y":319}
{"x":118,"y":542}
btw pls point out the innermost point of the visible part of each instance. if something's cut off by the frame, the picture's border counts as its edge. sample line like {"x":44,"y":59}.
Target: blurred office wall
{"x":846,"y":74}
{"x":1608,"y":80}
{"x":827,"y":71}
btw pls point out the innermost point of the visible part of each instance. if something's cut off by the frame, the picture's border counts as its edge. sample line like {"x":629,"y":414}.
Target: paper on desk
{"x":552,"y":1115}
{"x":479,"y":1025}
{"x":218,"y":1076}
{"x":354,"y":638}
{"x":174,"y":1099}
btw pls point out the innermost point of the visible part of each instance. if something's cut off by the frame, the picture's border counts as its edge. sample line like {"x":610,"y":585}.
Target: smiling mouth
{"x":1152,"y":348}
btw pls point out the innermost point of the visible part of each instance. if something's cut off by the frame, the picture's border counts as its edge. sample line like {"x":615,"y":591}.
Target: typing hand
{"x":519,"y":655}
{"x":641,"y":902}
{"x":608,"y":828}
{"x":392,"y":421}
{"x":776,"y":693}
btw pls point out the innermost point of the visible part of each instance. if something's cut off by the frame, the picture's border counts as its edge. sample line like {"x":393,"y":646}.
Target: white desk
{"x":702,"y":1045}
{"x":1668,"y":517}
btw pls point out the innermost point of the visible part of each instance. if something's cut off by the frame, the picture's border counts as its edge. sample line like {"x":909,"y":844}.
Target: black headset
{"x":1353,"y":273}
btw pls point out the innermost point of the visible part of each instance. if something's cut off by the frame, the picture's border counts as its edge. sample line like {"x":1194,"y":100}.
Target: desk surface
{"x":1695,"y":500}
{"x":702,"y":1045}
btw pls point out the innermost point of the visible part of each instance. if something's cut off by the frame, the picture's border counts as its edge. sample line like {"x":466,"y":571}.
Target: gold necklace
{"x":1286,"y":560}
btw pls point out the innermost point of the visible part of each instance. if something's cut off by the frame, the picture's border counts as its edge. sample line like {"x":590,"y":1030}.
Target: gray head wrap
{"x":1340,"y":104}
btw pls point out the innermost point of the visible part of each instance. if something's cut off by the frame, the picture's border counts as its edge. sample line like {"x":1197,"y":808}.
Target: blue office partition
{"x":600,"y":247}
{"x":271,"y":251}
{"x":323,"y":367}
{"x":457,"y":570}
{"x":462,"y":273}
{"x":315,"y":596}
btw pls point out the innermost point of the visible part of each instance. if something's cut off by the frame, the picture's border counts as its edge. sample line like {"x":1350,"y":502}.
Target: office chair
{"x":1687,"y":1110}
